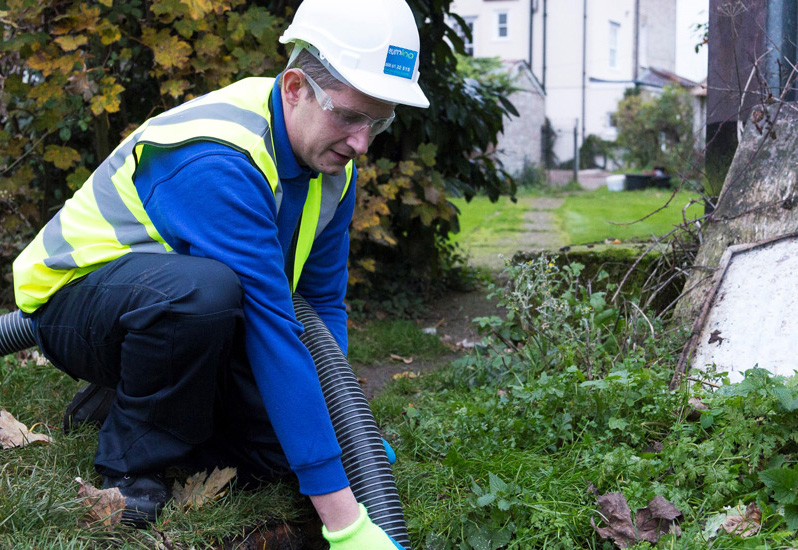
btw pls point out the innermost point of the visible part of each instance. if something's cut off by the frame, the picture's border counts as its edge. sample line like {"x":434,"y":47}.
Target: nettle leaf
{"x":71,"y":42}
{"x":485,"y":500}
{"x":496,"y":484}
{"x":791,"y":516}
{"x":63,"y":158}
{"x":783,"y":482}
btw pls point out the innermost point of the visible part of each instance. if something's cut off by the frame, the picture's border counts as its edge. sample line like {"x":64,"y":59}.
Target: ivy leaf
{"x":64,"y":158}
{"x":175,"y":87}
{"x":109,"y":33}
{"x":69,"y":43}
{"x":427,"y":152}
{"x":110,"y":97}
{"x":197,"y":9}
{"x":77,"y":178}
{"x":208,"y":45}
{"x":169,"y":50}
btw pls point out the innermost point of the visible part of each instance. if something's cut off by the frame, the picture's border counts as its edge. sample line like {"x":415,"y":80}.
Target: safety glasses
{"x":346,"y":119}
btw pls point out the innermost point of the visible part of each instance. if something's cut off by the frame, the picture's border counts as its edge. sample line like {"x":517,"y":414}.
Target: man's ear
{"x":291,"y":86}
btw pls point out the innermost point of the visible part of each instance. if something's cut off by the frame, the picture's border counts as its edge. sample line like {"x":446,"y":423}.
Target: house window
{"x":502,"y":29}
{"x":615,"y":29}
{"x":467,"y":36}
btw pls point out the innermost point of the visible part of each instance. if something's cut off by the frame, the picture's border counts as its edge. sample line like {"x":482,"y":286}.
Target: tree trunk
{"x":757,"y":202}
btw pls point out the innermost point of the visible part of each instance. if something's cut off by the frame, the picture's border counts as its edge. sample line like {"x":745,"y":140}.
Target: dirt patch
{"x":451,"y":316}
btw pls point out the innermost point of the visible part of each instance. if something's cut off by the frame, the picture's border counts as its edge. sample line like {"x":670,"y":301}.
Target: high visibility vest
{"x":105,"y":219}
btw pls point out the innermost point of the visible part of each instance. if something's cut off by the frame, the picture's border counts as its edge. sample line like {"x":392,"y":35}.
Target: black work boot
{"x":89,"y":406}
{"x":145,"y":496}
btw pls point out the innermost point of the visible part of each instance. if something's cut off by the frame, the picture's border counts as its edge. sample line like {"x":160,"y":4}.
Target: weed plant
{"x":567,"y":399}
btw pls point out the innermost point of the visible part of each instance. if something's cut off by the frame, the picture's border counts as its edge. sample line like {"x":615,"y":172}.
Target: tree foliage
{"x":656,"y":131}
{"x":76,"y":77}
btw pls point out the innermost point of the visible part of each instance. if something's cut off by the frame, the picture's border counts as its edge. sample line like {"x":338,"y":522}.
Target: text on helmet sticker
{"x":400,"y":62}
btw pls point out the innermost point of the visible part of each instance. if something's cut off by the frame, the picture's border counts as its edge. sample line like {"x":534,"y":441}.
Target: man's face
{"x":318,"y":137}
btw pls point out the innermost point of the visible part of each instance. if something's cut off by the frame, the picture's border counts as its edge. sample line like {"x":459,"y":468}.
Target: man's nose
{"x":360,"y":140}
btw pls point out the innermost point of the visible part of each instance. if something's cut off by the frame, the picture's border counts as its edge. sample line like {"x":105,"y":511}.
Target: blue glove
{"x":399,"y":546}
{"x":363,"y":534}
{"x":389,"y":452}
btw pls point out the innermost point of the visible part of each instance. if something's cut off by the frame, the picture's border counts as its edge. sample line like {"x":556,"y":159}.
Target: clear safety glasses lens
{"x":348,"y":120}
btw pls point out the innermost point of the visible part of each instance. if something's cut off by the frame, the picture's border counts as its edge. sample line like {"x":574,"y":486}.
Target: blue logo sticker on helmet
{"x":400,"y":62}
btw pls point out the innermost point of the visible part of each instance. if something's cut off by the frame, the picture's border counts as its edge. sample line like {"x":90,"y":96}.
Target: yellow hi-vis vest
{"x":105,"y":218}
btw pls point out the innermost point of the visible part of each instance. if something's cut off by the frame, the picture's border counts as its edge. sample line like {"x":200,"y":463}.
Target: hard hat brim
{"x":393,"y":89}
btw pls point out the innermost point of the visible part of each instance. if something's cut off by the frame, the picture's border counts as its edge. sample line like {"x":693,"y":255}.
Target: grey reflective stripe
{"x":217,"y":111}
{"x":278,"y":189}
{"x":59,"y":252}
{"x":331,"y":189}
{"x":278,"y":196}
{"x":128,"y":230}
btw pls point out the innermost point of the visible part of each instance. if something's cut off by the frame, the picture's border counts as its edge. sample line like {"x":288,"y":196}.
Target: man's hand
{"x":361,"y":535}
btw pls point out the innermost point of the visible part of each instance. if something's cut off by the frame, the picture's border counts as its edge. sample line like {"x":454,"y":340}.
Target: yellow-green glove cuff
{"x":350,"y":531}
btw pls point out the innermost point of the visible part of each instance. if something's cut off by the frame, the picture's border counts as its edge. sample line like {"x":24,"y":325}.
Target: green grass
{"x":377,"y":340}
{"x":489,"y":229}
{"x":39,"y":505}
{"x":590,"y":217}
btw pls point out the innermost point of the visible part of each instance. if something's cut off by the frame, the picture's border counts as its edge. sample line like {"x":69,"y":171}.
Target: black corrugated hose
{"x":16,"y":333}
{"x":365,"y":461}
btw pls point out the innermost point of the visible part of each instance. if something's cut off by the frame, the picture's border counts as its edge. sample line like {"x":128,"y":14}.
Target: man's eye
{"x":350,"y":118}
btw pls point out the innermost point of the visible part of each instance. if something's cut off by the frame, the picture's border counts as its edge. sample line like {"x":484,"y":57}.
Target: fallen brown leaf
{"x":660,"y":517}
{"x":745,"y":525}
{"x":405,"y":374}
{"x":14,"y":433}
{"x":405,"y":360}
{"x":201,"y":487}
{"x":104,"y":505}
{"x":615,"y":513}
{"x":657,"y":519}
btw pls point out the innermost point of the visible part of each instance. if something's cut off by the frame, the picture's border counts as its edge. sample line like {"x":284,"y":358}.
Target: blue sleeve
{"x":325,"y":276}
{"x":214,"y":204}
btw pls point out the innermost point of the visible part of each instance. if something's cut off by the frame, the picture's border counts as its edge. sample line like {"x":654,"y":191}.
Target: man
{"x":168,"y":276}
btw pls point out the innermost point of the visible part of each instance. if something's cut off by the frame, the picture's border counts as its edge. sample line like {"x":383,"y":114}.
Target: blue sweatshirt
{"x":207,"y":200}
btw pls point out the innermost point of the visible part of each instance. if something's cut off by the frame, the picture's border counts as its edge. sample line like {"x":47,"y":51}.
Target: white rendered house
{"x":582,"y":53}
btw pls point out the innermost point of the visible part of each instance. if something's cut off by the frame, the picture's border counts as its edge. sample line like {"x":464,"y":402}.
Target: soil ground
{"x":451,"y":316}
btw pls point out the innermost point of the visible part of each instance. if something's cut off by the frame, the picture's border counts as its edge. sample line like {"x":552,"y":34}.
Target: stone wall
{"x":521,"y":141}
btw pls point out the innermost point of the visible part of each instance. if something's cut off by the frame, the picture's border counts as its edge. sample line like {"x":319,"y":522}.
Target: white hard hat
{"x":372,"y":44}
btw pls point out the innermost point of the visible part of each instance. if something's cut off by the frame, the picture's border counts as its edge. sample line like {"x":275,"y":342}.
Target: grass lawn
{"x":588,"y":217}
{"x":488,"y":229}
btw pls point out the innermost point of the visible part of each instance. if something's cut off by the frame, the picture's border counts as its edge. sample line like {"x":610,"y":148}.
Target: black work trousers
{"x":167,"y":332}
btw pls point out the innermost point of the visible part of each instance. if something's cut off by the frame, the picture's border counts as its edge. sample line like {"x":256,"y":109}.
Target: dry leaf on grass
{"x":659,"y":518}
{"x":14,"y":433}
{"x":405,"y":360}
{"x":201,"y":487}
{"x":405,"y":374}
{"x":745,"y":525}
{"x":615,"y":513}
{"x":105,"y":505}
